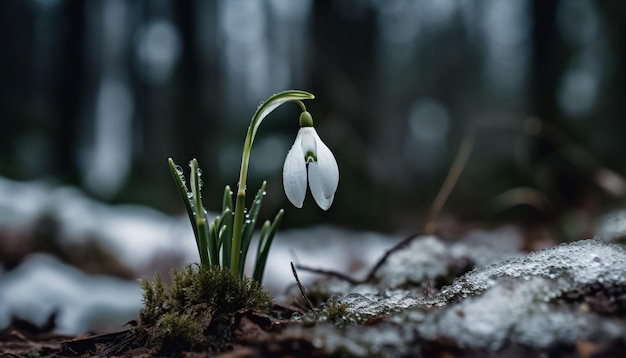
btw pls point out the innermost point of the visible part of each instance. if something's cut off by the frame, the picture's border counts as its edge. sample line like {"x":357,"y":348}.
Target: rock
{"x":560,"y":299}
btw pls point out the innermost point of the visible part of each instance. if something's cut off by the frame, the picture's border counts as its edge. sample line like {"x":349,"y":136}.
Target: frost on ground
{"x":554,"y":299}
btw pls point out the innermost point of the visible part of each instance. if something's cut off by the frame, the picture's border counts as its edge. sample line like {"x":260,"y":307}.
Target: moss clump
{"x":178,"y":332}
{"x":332,"y":311}
{"x":196,"y":311}
{"x":336,"y":310}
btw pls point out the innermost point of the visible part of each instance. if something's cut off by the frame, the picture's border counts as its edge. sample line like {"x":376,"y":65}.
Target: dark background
{"x":98,"y":94}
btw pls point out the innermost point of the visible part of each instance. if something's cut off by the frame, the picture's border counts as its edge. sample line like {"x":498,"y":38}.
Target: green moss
{"x":333,"y":311}
{"x":336,"y":310}
{"x":155,"y":296}
{"x":178,"y":332}
{"x":196,"y":311}
{"x":343,"y":313}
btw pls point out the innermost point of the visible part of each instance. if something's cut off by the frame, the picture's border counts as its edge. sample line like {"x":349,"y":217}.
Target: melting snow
{"x":42,"y":285}
{"x":508,"y":302}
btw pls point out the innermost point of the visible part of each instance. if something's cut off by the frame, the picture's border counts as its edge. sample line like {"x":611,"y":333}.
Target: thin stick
{"x":295,"y":275}
{"x":370,"y":276}
{"x":383,"y":259}
{"x":332,"y":273}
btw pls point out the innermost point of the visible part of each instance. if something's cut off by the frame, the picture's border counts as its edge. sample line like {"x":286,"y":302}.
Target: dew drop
{"x":179,"y":169}
{"x":189,"y":195}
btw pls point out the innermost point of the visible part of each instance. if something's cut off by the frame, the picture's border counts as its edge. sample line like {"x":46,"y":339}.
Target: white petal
{"x":294,"y":174}
{"x":322,"y":202}
{"x":309,"y":143}
{"x":323,"y":176}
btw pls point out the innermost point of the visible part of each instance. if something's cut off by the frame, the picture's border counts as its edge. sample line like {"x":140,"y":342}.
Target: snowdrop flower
{"x":323,"y":174}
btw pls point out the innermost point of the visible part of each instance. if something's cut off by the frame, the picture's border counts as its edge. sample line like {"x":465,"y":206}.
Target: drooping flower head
{"x":310,"y":160}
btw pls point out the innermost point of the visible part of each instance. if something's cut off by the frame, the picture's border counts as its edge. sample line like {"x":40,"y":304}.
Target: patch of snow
{"x":427,"y":257}
{"x":580,"y":263}
{"x":133,"y":234}
{"x":519,"y":311}
{"x":423,"y":258}
{"x":20,"y":202}
{"x":42,"y":285}
{"x":612,"y":227}
{"x":510,"y":302}
{"x":488,"y":247}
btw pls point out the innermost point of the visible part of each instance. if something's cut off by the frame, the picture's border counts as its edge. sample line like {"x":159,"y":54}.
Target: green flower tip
{"x":306,"y":120}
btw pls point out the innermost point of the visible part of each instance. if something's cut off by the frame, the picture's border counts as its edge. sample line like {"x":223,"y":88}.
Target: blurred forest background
{"x":98,"y":94}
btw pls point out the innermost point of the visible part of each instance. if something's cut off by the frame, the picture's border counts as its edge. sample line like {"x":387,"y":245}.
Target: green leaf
{"x":223,"y":225}
{"x":263,"y":249}
{"x":227,"y":200}
{"x":258,"y":270}
{"x":199,"y":215}
{"x":249,"y":224}
{"x":214,"y":243}
{"x":179,"y":179}
{"x":227,"y":221}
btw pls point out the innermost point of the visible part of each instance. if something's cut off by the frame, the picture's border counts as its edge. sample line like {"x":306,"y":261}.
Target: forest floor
{"x":424,"y":298}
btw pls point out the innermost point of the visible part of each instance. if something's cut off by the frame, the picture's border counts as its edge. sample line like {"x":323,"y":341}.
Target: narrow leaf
{"x":249,"y":224}
{"x":258,"y":270}
{"x":227,"y":201}
{"x":227,"y":221}
{"x":264,"y":247}
{"x":199,"y":213}
{"x":179,"y":179}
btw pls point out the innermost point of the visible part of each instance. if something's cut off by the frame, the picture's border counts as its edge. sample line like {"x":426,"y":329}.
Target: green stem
{"x":264,"y":109}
